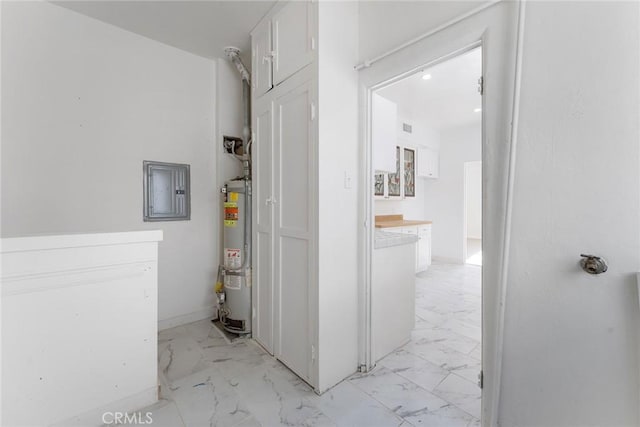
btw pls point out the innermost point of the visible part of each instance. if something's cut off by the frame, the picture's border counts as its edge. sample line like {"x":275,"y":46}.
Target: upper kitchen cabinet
{"x":384,"y":115}
{"x":293,"y":41}
{"x":282,"y":45}
{"x":262,"y":78}
{"x":428,"y":163}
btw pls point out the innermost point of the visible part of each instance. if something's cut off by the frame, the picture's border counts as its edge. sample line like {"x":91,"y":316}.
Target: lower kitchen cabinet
{"x":423,"y":256}
{"x":393,"y":298}
{"x":423,"y":250}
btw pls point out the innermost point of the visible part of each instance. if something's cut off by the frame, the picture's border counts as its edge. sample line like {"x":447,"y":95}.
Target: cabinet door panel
{"x":294,"y":158}
{"x":263,"y":268}
{"x":424,"y":247}
{"x":293,"y":165}
{"x":294,"y":348}
{"x":262,"y":60}
{"x":428,"y":163}
{"x":291,"y":39}
{"x":383,"y":133}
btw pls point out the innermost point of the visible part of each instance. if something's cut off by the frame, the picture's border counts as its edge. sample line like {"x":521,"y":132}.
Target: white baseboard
{"x":127,"y":405}
{"x":172,"y":322}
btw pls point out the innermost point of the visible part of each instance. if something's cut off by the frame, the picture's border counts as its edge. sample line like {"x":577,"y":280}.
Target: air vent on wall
{"x":406,"y":127}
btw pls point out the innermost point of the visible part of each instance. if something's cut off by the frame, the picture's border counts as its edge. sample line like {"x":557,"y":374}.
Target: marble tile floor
{"x":431,"y":381}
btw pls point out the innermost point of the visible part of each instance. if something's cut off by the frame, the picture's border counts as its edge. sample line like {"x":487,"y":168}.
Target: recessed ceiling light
{"x":477,"y":110}
{"x":426,"y":77}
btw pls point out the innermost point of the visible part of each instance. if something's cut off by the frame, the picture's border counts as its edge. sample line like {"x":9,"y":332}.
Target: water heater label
{"x":232,"y":258}
{"x":232,"y":282}
{"x":231,"y":214}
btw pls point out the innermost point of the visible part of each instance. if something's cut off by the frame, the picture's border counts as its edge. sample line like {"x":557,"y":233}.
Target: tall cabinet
{"x":285,"y":142}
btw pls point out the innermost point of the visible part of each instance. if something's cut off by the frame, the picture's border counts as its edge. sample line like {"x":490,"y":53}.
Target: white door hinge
{"x":269,"y":56}
{"x":481,"y":85}
{"x":313,"y":111}
{"x":313,"y":43}
{"x":313,"y":353}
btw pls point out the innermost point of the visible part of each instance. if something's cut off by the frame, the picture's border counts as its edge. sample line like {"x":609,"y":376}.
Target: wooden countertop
{"x":384,"y":221}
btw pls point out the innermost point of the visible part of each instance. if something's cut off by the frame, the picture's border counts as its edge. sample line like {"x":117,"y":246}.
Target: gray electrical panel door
{"x":166,"y":191}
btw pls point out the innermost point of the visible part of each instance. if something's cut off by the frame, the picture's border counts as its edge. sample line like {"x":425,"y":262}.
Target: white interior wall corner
{"x":84,"y":104}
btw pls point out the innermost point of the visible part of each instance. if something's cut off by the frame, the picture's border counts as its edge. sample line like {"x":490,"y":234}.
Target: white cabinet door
{"x":293,"y":42}
{"x":263,"y":204}
{"x":293,"y":249}
{"x":413,"y":230}
{"x":424,"y":247}
{"x":262,"y":59}
{"x":428,"y":163}
{"x":383,"y":133}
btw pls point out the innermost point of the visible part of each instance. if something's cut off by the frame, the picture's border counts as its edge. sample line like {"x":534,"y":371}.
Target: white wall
{"x":384,"y":25}
{"x":473,"y":199}
{"x":83,"y":104}
{"x":571,"y":339}
{"x":444,"y":197}
{"x":338,"y":206}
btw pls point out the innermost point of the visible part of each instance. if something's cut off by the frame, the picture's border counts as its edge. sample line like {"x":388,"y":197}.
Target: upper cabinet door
{"x":262,"y":59}
{"x":428,"y":163}
{"x":384,"y":139}
{"x":293,"y":42}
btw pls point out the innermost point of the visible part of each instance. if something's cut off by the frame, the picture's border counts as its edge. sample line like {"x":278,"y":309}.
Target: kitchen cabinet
{"x":393,"y":297}
{"x":428,"y":163}
{"x":383,"y":133}
{"x":409,"y":172}
{"x":400,"y":183}
{"x":380,"y":186}
{"x":423,"y":252}
{"x":423,"y":249}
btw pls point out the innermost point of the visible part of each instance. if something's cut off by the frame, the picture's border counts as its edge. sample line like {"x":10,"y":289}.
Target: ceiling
{"x":204,"y":28}
{"x":447,"y":99}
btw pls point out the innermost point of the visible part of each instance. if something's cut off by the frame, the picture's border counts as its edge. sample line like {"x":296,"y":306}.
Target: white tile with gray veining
{"x":431,"y":381}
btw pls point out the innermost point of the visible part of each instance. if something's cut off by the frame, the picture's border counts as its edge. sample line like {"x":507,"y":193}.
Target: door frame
{"x":497,"y":30}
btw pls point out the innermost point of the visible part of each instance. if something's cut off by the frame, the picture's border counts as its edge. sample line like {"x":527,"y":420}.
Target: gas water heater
{"x":235,"y":296}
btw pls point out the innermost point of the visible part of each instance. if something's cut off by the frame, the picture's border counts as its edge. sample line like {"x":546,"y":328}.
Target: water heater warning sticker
{"x":232,"y":258}
{"x":232,"y":261}
{"x":230,"y":214}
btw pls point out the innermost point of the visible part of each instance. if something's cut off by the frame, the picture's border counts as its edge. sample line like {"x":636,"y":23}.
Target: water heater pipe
{"x":233,"y":53}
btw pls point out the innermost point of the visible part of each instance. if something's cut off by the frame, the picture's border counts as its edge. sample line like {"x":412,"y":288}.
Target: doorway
{"x":500,"y":91}
{"x":426,"y":302}
{"x":473,"y":213}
